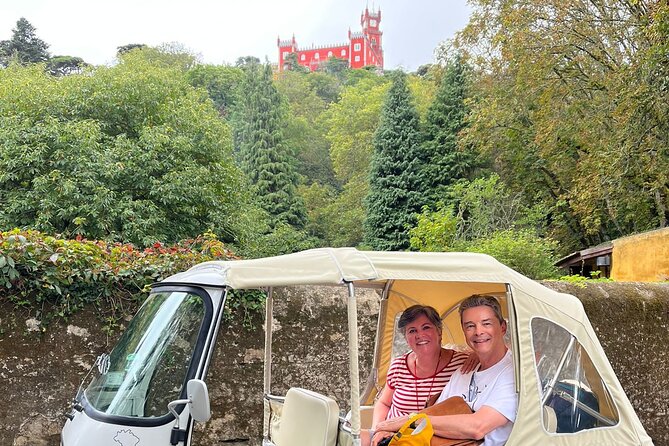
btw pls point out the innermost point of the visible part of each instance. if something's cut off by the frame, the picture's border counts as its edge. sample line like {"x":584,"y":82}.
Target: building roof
{"x":577,"y":257}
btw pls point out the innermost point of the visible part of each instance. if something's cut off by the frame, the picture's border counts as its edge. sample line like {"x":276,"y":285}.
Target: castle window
{"x":285,"y":54}
{"x":317,"y":56}
{"x":356,"y":47}
{"x":303,"y":57}
{"x":329,"y":53}
{"x":357,"y":58}
{"x":343,"y":52}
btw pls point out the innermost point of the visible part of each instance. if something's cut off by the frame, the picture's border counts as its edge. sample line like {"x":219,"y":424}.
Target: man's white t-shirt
{"x":493,"y":387}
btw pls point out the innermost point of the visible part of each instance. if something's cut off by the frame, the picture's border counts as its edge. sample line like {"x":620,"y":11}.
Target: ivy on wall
{"x":46,"y":277}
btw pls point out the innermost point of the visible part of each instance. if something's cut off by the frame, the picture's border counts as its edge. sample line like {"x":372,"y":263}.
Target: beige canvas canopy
{"x":441,"y":280}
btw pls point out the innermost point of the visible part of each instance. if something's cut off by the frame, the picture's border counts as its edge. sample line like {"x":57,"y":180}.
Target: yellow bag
{"x":417,"y":431}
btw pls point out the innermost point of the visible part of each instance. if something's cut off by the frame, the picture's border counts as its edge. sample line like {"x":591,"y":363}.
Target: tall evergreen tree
{"x":262,"y":153}
{"x":445,"y":119}
{"x":24,"y":46}
{"x":398,"y":163}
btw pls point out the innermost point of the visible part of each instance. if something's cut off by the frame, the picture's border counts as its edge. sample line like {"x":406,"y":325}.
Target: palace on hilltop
{"x":362,"y":49}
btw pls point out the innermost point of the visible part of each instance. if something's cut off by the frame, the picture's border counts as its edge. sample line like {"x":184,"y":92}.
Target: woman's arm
{"x":382,"y":406}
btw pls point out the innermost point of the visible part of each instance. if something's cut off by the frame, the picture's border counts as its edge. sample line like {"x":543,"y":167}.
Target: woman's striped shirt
{"x":411,"y":393}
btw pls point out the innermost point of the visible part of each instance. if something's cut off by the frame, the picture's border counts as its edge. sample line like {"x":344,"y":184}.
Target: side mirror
{"x":198,"y":400}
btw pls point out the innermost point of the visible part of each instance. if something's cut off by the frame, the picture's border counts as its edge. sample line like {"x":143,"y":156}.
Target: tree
{"x":65,"y":65}
{"x":396,"y":182}
{"x":247,"y":61}
{"x":24,"y":46}
{"x":445,"y":120}
{"x":291,"y":64}
{"x":336,"y":67}
{"x":120,"y":50}
{"x":129,"y":153}
{"x":167,"y":55}
{"x":221,"y":82}
{"x":350,"y":124}
{"x":570,"y":105}
{"x":303,"y":131}
{"x":263,"y":155}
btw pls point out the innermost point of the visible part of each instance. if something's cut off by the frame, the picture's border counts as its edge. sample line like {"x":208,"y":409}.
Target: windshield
{"x":149,"y":365}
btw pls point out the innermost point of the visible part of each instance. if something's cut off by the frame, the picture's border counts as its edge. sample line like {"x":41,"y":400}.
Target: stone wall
{"x":40,"y":371}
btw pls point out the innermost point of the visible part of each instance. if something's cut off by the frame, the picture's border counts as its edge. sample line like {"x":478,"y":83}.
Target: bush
{"x":50,"y":277}
{"x":521,"y":250}
{"x":434,"y":231}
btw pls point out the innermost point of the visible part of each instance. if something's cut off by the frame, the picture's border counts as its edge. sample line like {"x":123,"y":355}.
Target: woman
{"x":422,"y":373}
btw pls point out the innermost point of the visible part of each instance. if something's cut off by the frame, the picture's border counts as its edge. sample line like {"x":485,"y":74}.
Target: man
{"x":489,"y":390}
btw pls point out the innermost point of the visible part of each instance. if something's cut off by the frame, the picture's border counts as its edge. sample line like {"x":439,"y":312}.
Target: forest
{"x":540,"y":129}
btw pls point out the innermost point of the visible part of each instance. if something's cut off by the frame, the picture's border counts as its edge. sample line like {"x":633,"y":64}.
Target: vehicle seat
{"x":308,"y":418}
{"x":570,"y":418}
{"x":550,"y":419}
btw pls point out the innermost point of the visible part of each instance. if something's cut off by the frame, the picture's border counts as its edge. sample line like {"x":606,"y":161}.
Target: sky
{"x":222,"y":31}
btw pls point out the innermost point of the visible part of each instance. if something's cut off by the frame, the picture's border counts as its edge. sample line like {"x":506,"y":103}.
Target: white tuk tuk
{"x":151,"y":388}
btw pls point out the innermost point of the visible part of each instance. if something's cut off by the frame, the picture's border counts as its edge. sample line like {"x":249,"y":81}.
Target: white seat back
{"x":308,"y":419}
{"x":550,"y":419}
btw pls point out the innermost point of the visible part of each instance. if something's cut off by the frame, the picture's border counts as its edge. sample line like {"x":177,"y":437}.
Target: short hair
{"x":413,"y":312}
{"x":482,"y":300}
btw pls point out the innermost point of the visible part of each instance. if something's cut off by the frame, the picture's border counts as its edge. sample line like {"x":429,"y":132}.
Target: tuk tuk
{"x":151,"y":387}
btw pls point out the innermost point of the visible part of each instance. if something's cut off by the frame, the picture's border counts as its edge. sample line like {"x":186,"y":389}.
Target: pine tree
{"x":263,"y":156}
{"x":445,"y":119}
{"x":24,"y":46}
{"x":398,"y":163}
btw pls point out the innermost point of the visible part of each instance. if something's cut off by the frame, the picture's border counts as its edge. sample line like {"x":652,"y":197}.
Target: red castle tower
{"x":362,"y":49}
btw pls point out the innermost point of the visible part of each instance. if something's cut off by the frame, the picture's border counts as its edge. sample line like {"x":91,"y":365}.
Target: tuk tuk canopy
{"x":442,"y":280}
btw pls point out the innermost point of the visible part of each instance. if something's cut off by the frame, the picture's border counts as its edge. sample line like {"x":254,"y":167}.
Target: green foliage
{"x":582,"y":281}
{"x":24,"y":47}
{"x":120,"y":50}
{"x":520,"y":250}
{"x":65,"y":65}
{"x":264,"y":157}
{"x":221,"y":82}
{"x":171,"y":55}
{"x":489,"y":220}
{"x":336,"y":67}
{"x":350,"y":124}
{"x":571,"y":103}
{"x":291,"y":64}
{"x":247,"y":305}
{"x":282,"y":239}
{"x":486,"y":205}
{"x":50,"y":278}
{"x":446,"y":118}
{"x":130,"y":153}
{"x":303,"y":131}
{"x":435,"y":230}
{"x":336,"y":218}
{"x":396,"y":182}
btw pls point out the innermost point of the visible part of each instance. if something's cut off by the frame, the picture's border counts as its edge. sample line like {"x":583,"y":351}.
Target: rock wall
{"x":40,"y":371}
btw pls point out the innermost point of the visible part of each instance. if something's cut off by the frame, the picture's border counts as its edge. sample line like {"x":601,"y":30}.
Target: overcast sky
{"x":221,"y":31}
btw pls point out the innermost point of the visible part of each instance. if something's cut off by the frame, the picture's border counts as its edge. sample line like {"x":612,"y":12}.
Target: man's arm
{"x":470,"y":426}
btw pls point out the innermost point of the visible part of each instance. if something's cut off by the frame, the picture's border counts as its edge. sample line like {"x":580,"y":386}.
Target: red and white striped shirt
{"x":410,"y":393}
